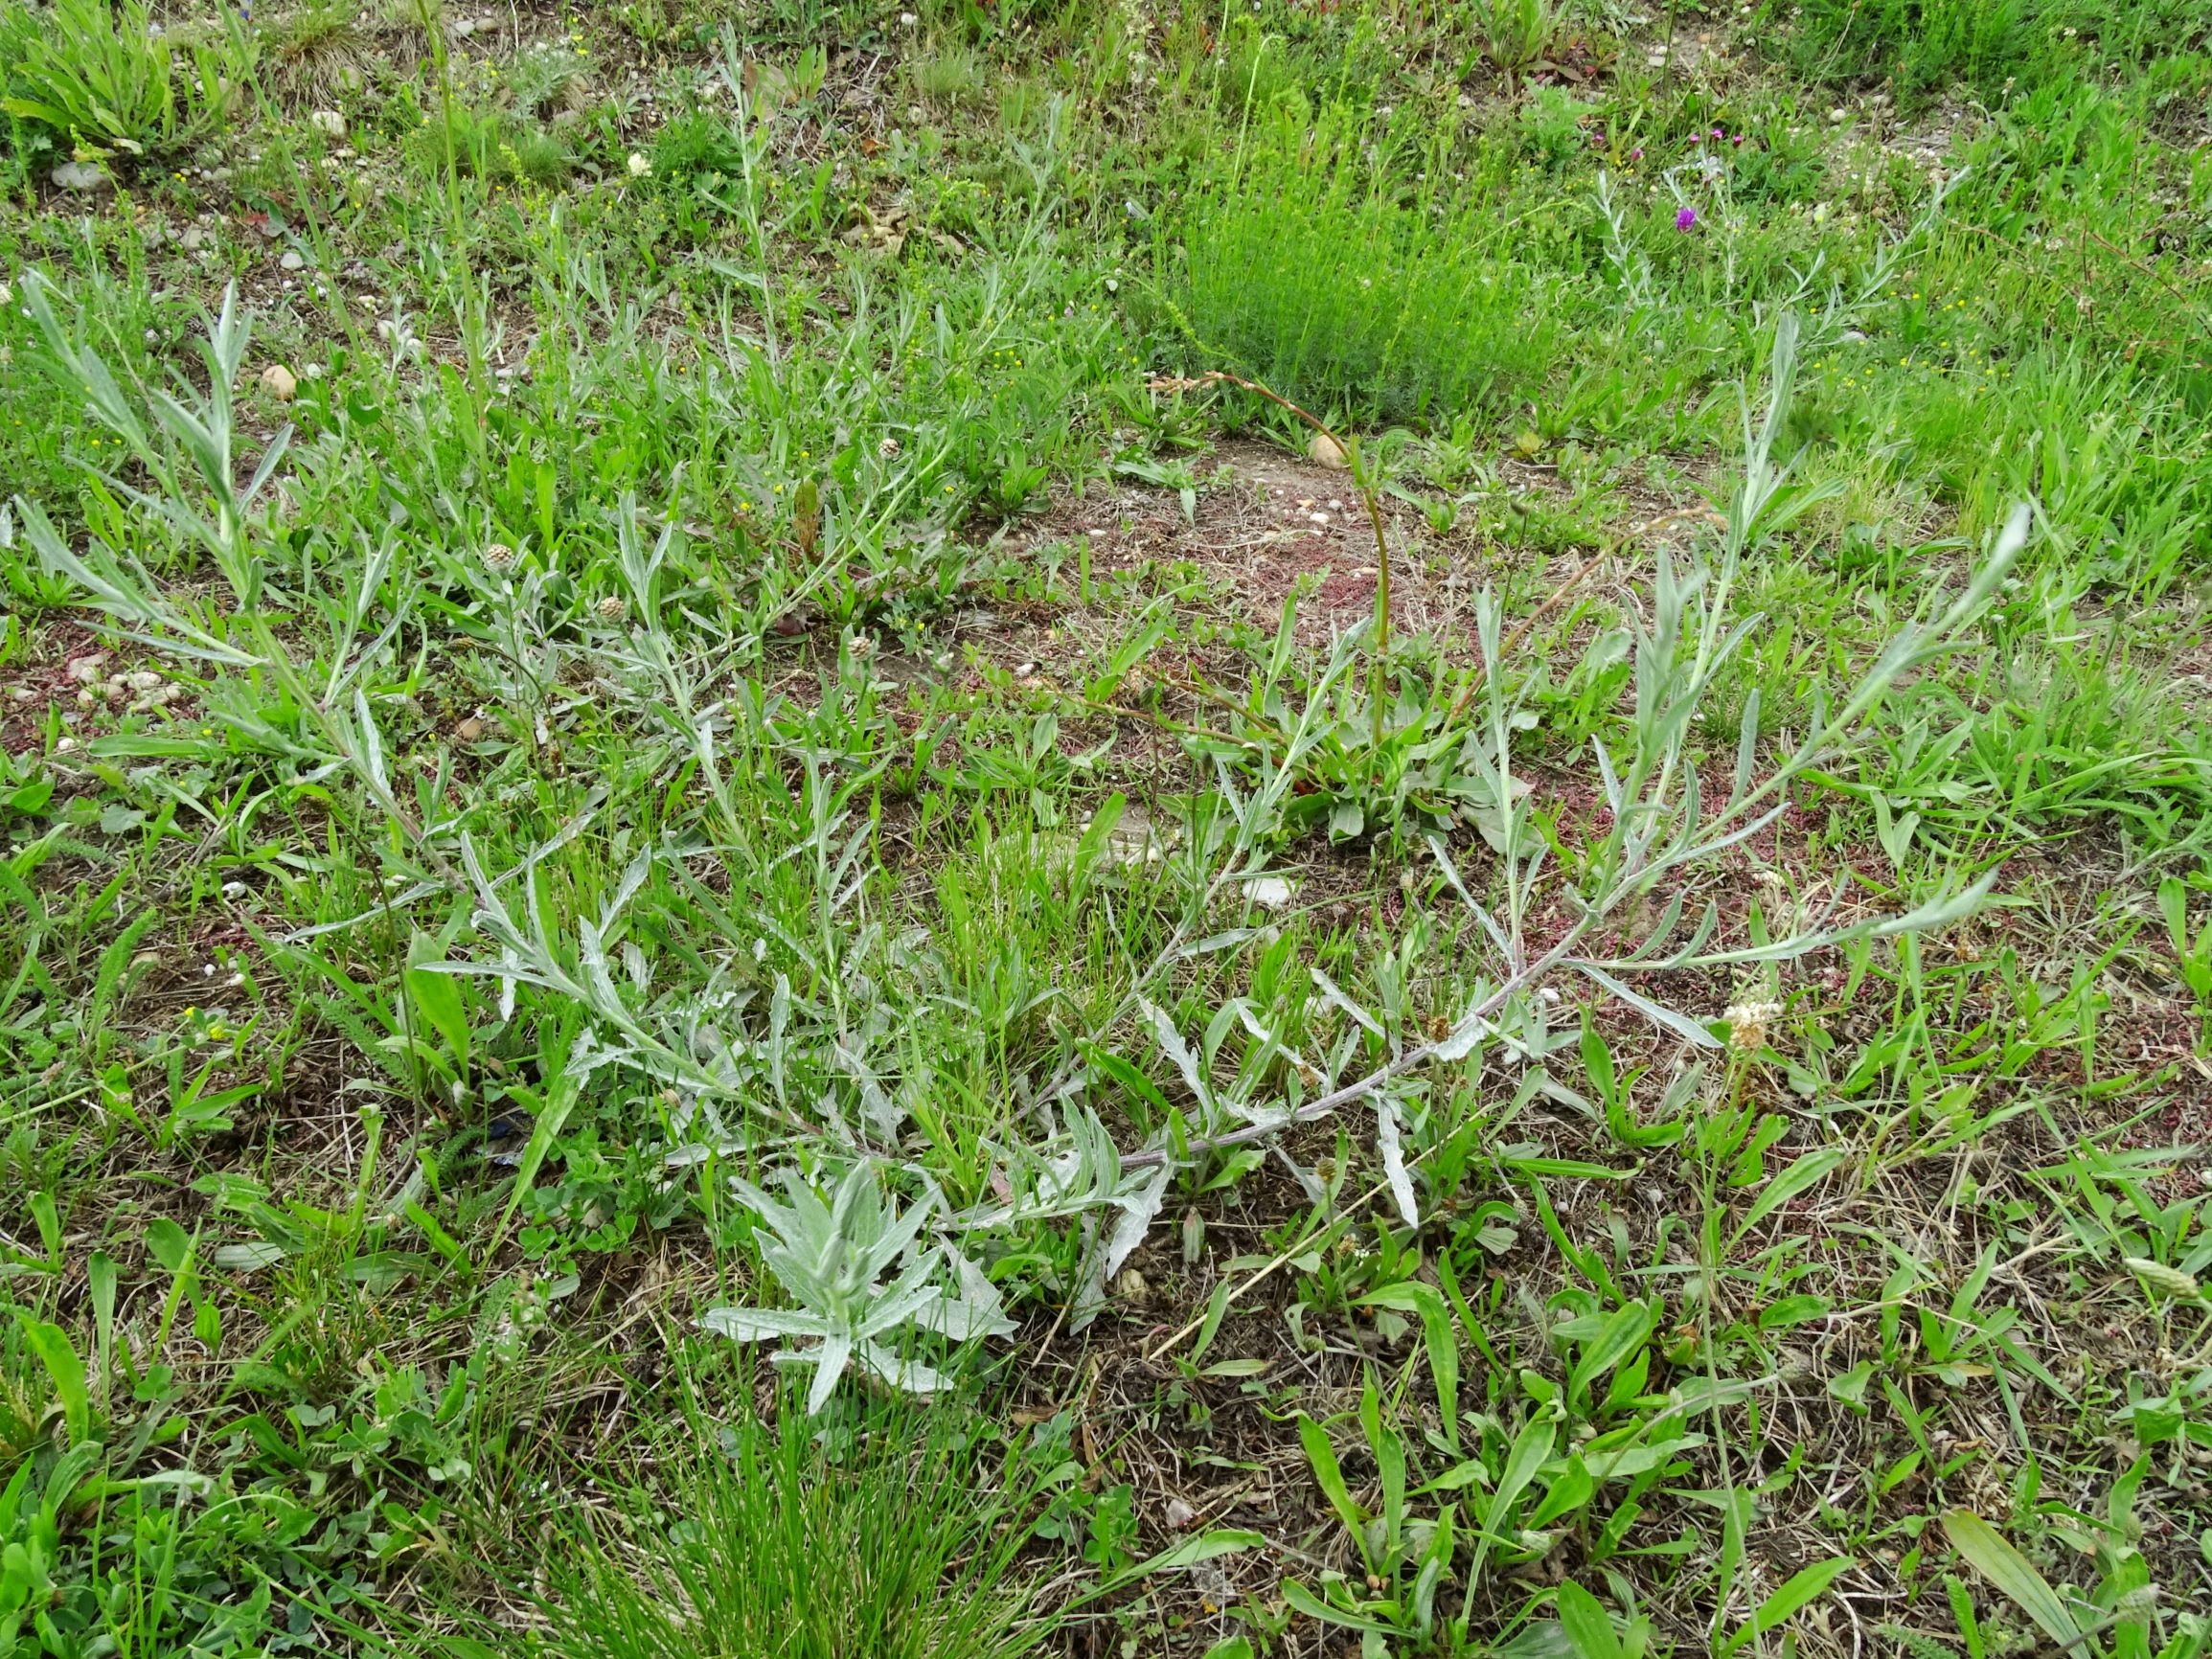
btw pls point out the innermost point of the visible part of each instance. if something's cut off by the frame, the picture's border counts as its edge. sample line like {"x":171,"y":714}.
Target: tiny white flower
{"x":639,"y":166}
{"x":1748,"y":1025}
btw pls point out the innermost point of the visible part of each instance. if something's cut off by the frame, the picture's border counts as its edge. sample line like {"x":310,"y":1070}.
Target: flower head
{"x":639,"y":166}
{"x":1687,"y":219}
{"x":2167,"y":1280}
{"x":1747,"y":1023}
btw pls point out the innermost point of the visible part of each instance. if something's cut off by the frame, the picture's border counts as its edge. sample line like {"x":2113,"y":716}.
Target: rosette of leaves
{"x":864,"y":1284}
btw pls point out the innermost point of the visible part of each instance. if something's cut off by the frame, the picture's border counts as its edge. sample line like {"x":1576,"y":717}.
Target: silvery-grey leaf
{"x":1332,"y":994}
{"x":1315,"y":1189}
{"x":1394,"y":1157}
{"x":1139,"y":1208}
{"x":1171,"y":1044}
{"x":1680,"y":1024}
{"x":759,"y":1324}
{"x":910,"y":1375}
{"x":829,"y":1366}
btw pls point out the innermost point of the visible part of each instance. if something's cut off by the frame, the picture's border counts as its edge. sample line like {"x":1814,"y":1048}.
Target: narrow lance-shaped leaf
{"x":1986,"y":1549}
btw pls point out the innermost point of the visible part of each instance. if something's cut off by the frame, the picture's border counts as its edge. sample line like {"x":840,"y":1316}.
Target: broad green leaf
{"x":1412,"y":1296}
{"x":1850,"y":1386}
{"x":436,"y":997}
{"x":552,"y":1117}
{"x":1792,"y":1310}
{"x":1570,"y":1489}
{"x":2174,"y":905}
{"x":1588,"y":1630}
{"x":1598,"y":1062}
{"x":1328,"y":1475}
{"x":1626,"y":1332}
{"x":1804,"y":1174}
{"x":100,"y":1280}
{"x":1217,"y":1306}
{"x":1800,"y":1590}
{"x":63,"y":1365}
{"x":1200,"y":1547}
{"x":1530,"y":1447}
{"x":49,"y":1220}
{"x":1985,"y":1548}
{"x":1303,"y":1600}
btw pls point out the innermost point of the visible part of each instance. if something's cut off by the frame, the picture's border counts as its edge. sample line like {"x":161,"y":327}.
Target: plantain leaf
{"x":1412,"y":1296}
{"x":1805,"y":1587}
{"x":1589,"y":1632}
{"x":1985,"y":1548}
{"x":1807,"y":1172}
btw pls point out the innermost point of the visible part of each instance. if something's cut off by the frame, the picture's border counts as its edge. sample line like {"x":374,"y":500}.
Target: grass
{"x":1302,"y":264}
{"x":894,"y":1538}
{"x":739,"y":919}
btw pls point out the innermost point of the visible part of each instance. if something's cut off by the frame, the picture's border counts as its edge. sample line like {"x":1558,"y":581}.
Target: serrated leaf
{"x":1178,"y":1052}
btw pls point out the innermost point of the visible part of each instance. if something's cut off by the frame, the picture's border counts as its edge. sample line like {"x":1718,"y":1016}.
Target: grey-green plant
{"x":864,"y":1282}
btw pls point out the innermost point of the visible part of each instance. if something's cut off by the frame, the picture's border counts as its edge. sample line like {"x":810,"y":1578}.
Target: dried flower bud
{"x":887,"y":448}
{"x":610,"y":610}
{"x":498,"y":555}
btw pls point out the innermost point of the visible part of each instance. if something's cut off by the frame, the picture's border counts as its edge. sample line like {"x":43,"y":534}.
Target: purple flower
{"x":1686,"y":220}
